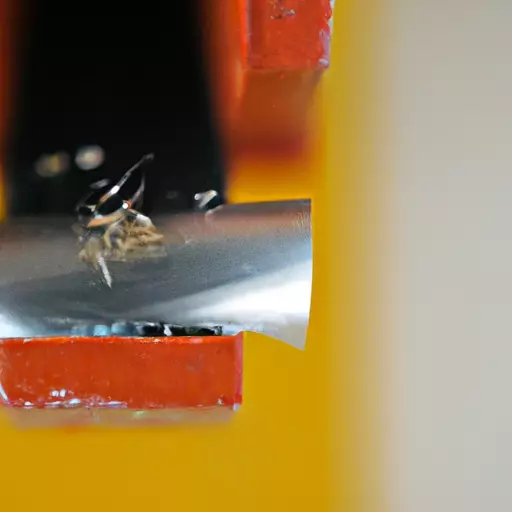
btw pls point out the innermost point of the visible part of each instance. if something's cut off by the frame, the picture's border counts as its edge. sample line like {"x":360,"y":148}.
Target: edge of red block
{"x":141,"y":374}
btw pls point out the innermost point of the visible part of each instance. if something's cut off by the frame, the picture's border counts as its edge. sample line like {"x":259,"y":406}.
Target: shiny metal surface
{"x":245,"y":267}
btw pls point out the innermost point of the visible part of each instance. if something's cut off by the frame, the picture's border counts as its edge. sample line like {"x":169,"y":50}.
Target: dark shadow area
{"x":130,"y":81}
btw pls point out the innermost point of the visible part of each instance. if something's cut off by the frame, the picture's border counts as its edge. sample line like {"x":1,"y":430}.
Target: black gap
{"x":130,"y":80}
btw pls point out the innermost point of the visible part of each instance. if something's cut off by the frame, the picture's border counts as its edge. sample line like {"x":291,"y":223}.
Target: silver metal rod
{"x":243,"y":267}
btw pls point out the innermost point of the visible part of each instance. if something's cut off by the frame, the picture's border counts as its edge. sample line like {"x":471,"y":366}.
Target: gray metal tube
{"x":244,"y":267}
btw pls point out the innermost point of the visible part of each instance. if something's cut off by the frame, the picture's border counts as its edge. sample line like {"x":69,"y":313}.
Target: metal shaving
{"x":125,"y":240}
{"x":116,"y":231}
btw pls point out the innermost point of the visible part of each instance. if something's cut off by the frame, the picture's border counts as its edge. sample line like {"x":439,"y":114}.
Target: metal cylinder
{"x":241,"y":267}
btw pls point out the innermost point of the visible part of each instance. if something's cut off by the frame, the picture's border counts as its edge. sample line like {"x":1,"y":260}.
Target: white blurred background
{"x":451,"y":86}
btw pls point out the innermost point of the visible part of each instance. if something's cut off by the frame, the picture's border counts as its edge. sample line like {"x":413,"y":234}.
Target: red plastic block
{"x":77,"y":381}
{"x":266,"y":58}
{"x":289,"y":34}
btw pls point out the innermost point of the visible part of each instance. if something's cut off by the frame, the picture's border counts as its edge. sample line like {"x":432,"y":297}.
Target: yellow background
{"x":305,"y":436}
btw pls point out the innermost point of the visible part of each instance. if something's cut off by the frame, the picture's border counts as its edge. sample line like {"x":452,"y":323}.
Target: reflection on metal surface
{"x":245,"y":267}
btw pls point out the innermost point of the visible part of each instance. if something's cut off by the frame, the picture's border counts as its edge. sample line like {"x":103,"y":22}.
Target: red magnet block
{"x":115,"y":381}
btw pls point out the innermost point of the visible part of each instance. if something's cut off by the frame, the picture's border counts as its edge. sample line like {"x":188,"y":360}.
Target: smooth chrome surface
{"x":245,"y":267}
